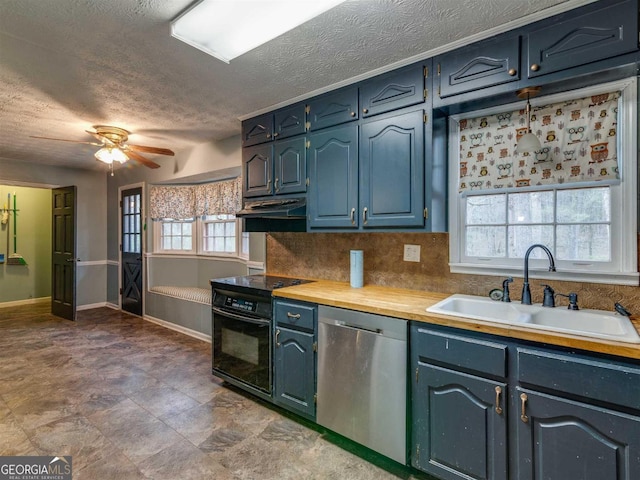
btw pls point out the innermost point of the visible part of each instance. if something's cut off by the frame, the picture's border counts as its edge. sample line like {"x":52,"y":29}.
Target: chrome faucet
{"x":526,"y":291}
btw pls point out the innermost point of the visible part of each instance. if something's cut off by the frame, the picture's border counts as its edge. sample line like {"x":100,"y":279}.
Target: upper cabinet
{"x":482,"y":65}
{"x":283,"y":123}
{"x":577,"y":40}
{"x":333,"y":108}
{"x":397,"y":89}
{"x":257,"y":171}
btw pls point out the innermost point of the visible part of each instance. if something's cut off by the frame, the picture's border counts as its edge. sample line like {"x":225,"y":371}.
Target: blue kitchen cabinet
{"x":332,"y":195}
{"x":571,"y":40}
{"x":290,"y":166}
{"x":257,"y":168}
{"x":334,"y":108}
{"x":294,"y":363}
{"x":392,"y":171}
{"x":283,"y":123}
{"x":393,"y":90}
{"x":481,"y":65}
{"x":459,"y":417}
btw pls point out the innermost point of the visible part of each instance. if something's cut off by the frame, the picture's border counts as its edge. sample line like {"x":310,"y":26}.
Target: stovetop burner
{"x":259,"y":282}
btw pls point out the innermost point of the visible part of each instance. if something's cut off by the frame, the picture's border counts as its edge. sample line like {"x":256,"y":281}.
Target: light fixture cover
{"x":110,"y":155}
{"x":528,"y":143}
{"x":227,"y":29}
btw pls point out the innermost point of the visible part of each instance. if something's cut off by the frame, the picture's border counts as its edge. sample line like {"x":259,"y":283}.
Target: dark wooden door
{"x":332,"y":194}
{"x":460,"y":425}
{"x":131,"y":244}
{"x":560,"y":439}
{"x":63,"y":258}
{"x":294,"y":366}
{"x":290,"y":164}
{"x":257,"y":166}
{"x":392,"y":171}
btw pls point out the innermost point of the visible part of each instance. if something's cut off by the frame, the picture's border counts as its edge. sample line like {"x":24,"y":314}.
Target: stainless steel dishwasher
{"x":362,"y":379}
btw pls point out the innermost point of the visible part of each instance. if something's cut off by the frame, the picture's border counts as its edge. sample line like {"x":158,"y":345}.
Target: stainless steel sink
{"x":588,"y":323}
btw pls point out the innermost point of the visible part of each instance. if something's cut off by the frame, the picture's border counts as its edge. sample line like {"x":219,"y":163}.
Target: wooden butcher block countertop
{"x":412,"y":305}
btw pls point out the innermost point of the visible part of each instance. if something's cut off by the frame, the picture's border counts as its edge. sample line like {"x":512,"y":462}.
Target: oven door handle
{"x":257,"y":321}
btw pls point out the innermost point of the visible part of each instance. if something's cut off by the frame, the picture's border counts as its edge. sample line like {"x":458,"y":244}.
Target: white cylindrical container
{"x":357,"y":275}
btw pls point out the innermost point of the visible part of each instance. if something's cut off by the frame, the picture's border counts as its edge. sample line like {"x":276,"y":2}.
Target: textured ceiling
{"x":66,"y":65}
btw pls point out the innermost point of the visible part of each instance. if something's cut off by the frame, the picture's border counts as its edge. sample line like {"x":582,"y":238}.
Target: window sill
{"x":193,"y":255}
{"x":611,"y":278}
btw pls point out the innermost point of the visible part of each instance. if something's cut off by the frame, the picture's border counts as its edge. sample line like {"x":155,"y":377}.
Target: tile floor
{"x":132,"y":400}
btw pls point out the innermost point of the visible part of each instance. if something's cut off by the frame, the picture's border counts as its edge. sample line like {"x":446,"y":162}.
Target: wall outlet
{"x":412,"y":253}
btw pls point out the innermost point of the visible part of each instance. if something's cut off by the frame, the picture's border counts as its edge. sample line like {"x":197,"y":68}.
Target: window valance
{"x":578,"y":145}
{"x":182,"y":202}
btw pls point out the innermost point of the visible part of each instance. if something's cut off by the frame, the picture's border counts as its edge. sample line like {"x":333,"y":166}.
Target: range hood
{"x":275,"y":215}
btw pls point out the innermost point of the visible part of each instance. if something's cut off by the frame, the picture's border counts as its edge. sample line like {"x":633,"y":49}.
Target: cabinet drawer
{"x":295,"y":315}
{"x":611,"y":382}
{"x":458,"y":351}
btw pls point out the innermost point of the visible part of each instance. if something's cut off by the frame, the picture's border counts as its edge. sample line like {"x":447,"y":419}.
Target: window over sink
{"x":577,"y":195}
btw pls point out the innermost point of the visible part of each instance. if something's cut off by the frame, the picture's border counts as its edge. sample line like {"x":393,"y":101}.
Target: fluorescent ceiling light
{"x":228,"y":28}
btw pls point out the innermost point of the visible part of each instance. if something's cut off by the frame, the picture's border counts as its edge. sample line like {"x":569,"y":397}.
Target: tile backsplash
{"x":326,"y":256}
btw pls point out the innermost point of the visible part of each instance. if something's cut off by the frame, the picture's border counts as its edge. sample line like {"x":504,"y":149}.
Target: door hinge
{"x":120,"y":290}
{"x":439,"y":69}
{"x":417,"y":374}
{"x":425,"y":93}
{"x":425,"y":71}
{"x":307,"y":109}
{"x":426,"y":213}
{"x":418,"y":454}
{"x":425,"y":118}
{"x":308,"y":144}
{"x":315,"y":346}
{"x":120,"y":203}
{"x":315,"y":398}
{"x":307,"y":181}
{"x":307,"y":126}
{"x":120,"y":247}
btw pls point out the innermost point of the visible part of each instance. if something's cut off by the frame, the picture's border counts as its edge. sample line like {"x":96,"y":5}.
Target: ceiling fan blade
{"x":142,"y":148}
{"x":65,"y":140}
{"x":139,"y":158}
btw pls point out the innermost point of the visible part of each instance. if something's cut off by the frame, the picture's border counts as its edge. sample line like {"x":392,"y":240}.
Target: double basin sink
{"x":589,"y":323}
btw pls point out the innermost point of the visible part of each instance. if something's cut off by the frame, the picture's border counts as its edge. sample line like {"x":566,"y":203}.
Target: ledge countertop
{"x":412,"y":305}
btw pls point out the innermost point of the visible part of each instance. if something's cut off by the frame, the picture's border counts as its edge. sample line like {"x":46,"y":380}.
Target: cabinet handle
{"x":364,"y":215}
{"x":277,"y":335}
{"x":353,"y":114}
{"x":353,"y":216}
{"x":293,"y":315}
{"x":365,"y":110}
{"x":523,"y":415}
{"x":275,"y":184}
{"x":498,"y":407}
{"x":512,"y":72}
{"x":535,"y":67}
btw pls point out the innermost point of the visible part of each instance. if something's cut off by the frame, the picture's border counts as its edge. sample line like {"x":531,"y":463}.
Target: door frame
{"x":144,"y":242}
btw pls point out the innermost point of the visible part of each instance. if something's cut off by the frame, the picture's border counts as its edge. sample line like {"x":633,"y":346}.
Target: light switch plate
{"x":412,"y":253}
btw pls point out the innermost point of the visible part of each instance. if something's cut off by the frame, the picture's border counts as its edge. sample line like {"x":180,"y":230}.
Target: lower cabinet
{"x":294,"y":357}
{"x":553,"y":414}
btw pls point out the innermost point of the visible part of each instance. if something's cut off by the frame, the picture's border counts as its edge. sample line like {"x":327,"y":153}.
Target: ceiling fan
{"x":114,"y":146}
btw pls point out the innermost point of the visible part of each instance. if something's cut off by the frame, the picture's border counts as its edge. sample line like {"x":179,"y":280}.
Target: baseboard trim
{"x":114,"y":306}
{"x":179,"y":328}
{"x":27,"y":301}
{"x":90,"y":306}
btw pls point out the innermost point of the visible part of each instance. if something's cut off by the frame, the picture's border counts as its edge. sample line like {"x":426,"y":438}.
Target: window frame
{"x":157,"y":236}
{"x":623,"y":270}
{"x":238,"y":240}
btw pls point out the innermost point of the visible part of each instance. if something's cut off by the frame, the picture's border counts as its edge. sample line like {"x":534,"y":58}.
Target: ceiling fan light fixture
{"x":109,"y":155}
{"x":227,"y":29}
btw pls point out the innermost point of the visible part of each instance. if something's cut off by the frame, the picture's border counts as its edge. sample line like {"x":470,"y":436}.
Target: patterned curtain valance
{"x":172,"y":202}
{"x":219,"y":198}
{"x":578,"y":145}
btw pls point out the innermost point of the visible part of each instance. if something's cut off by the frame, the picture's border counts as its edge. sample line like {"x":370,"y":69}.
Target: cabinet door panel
{"x":333,"y":178}
{"x":257,"y":130}
{"x":392,"y":171}
{"x":564,"y":439}
{"x":294,"y":365}
{"x":457,"y":431}
{"x":333,"y":108}
{"x":290,"y":166}
{"x":597,"y":35}
{"x":257,"y":166}
{"x":484,"y":65}
{"x":289,"y":121}
{"x":393,"y":90}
